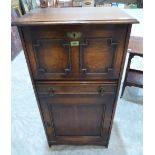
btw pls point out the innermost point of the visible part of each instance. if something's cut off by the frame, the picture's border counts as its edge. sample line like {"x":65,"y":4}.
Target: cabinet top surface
{"x":87,"y":15}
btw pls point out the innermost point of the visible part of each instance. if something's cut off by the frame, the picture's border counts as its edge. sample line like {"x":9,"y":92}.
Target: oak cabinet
{"x":75,"y":61}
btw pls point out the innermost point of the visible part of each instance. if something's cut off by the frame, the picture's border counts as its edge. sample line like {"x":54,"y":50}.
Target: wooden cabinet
{"x":76,"y":63}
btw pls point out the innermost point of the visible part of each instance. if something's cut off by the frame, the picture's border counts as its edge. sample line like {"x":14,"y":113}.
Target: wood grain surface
{"x":85,"y":15}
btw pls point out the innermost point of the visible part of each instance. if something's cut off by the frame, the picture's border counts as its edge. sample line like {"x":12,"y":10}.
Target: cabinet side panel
{"x":128,"y":30}
{"x":26,"y":50}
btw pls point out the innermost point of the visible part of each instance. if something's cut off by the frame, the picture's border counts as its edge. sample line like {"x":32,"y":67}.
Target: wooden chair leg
{"x":123,"y":88}
{"x":126,"y":73}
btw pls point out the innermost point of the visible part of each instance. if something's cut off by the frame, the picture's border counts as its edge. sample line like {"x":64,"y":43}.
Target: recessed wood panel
{"x":98,"y":56}
{"x":51,"y":55}
{"x":77,"y":120}
{"x":52,"y":58}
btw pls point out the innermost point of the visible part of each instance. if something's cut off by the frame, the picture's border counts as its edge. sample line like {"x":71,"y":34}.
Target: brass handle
{"x":51,"y":91}
{"x":101,"y":91}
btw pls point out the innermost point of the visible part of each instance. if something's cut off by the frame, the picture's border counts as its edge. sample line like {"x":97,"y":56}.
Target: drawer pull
{"x":101,"y":91}
{"x":51,"y":91}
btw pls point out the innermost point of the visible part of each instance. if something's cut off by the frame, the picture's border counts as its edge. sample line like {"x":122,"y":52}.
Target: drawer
{"x":75,"y":52}
{"x":75,"y":88}
{"x":77,"y":109}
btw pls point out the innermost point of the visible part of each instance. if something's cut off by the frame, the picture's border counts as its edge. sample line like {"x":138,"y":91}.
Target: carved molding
{"x":103,"y":118}
{"x":41,"y":70}
{"x":108,"y":70}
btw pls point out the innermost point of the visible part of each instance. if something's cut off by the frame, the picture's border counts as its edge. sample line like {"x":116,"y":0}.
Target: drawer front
{"x":77,"y":113}
{"x":75,"y":52}
{"x":73,"y":88}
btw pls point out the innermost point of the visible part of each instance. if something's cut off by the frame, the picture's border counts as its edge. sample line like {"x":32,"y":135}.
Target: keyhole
{"x":74,"y":35}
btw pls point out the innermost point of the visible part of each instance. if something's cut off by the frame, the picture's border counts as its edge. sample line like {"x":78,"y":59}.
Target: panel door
{"x":73,"y":52}
{"x":80,"y":115}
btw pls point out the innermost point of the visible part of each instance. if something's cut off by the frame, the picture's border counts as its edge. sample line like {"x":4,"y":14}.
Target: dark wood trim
{"x":76,"y":140}
{"x":77,"y":82}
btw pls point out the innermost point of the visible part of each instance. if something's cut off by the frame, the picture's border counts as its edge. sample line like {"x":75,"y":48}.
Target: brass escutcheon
{"x":74,"y":35}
